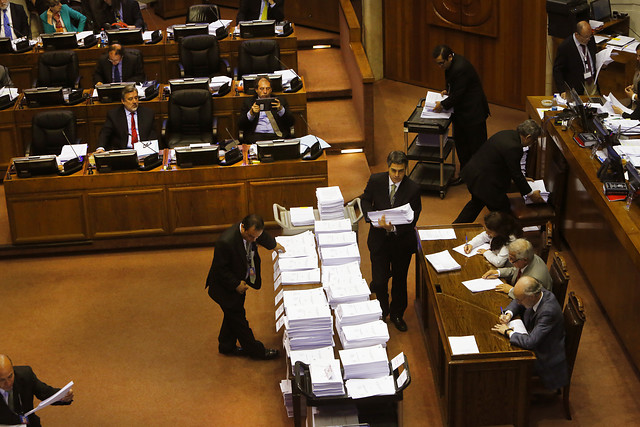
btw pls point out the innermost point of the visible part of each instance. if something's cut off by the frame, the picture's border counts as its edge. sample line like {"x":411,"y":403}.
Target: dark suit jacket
{"x":466,"y":95}
{"x":250,"y":10}
{"x":568,"y":67}
{"x":115,"y":132}
{"x":229,"y":266}
{"x":489,"y":172}
{"x":132,"y":68}
{"x":545,"y":339}
{"x":103,"y":14}
{"x":19,"y":21}
{"x":376,"y":197}
{"x":635,"y":115}
{"x":25,"y":386}
{"x":249,"y":126}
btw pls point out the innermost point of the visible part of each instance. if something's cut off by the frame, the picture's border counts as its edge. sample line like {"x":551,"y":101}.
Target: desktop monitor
{"x":252,"y":29}
{"x":44,"y":96}
{"x":249,"y":82}
{"x":601,"y":10}
{"x":27,"y":167}
{"x":189,"y":83}
{"x":278,"y":149}
{"x":182,"y":31}
{"x":59,"y":41}
{"x":125,"y":36}
{"x":116,"y":160}
{"x":187,"y":157}
{"x":111,"y":92}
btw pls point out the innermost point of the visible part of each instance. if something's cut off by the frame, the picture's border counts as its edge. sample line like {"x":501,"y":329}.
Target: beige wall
{"x":372,"y":35}
{"x":630,"y":7}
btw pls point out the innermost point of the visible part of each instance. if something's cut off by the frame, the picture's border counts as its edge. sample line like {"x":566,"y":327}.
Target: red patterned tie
{"x":134,"y":132}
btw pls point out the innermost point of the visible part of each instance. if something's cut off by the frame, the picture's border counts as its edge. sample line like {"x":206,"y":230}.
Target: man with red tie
{"x":127,"y":124}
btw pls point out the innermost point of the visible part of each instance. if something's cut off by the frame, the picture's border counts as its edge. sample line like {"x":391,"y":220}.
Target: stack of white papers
{"x":213,"y":26}
{"x":299,"y":245}
{"x":629,"y":152}
{"x":479,"y":285}
{"x":342,"y":293}
{"x":620,"y":41}
{"x":282,"y":265}
{"x":307,"y":356}
{"x":430,"y":103}
{"x":400,"y":215}
{"x":332,"y":226}
{"x":302,"y":277}
{"x":437,"y":234}
{"x":361,"y":388}
{"x":443,"y":261}
{"x":358,"y":312}
{"x":302,"y":216}
{"x":72,"y":151}
{"x":326,"y":378}
{"x":340,"y":254}
{"x":308,"y":319}
{"x":339,"y":273}
{"x":463,"y":345}
{"x":287,"y":396}
{"x":537,"y":185}
{"x":365,"y":362}
{"x":337,"y":239}
{"x":363,"y":335}
{"x":330,"y":203}
{"x":625,"y":126}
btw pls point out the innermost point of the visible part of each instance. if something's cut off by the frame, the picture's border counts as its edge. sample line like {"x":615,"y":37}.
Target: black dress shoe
{"x":236,"y":351}
{"x":269,"y":354}
{"x":456,"y":181}
{"x":399,"y":324}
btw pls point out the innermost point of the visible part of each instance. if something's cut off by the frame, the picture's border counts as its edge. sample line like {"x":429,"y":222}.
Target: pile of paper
{"x":302,"y":216}
{"x":350,"y":292}
{"x":363,"y":335}
{"x":537,"y":185}
{"x":299,"y":245}
{"x":330,"y":203}
{"x":326,"y":378}
{"x":341,"y":273}
{"x":443,"y":261}
{"x":361,"y":388}
{"x":332,"y":226}
{"x":302,"y":277}
{"x":365,"y":362}
{"x":307,"y":356}
{"x":337,"y":239}
{"x":399,"y":215}
{"x":430,"y":103}
{"x":308,"y":321}
{"x":287,"y":396}
{"x":359,"y":312}
{"x":340,"y":254}
{"x":437,"y":234}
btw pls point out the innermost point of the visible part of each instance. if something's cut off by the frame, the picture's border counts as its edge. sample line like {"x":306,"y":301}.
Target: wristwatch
{"x":506,"y":332}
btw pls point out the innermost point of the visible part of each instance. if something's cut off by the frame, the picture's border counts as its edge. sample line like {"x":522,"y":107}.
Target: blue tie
{"x":7,"y":26}
{"x":116,"y":74}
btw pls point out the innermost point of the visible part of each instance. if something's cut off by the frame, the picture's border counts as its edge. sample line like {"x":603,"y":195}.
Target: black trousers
{"x":472,"y":209}
{"x":468,"y":139}
{"x":252,"y":138}
{"x":235,"y":328}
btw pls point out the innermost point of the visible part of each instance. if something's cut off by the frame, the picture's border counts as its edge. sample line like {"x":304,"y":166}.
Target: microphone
{"x":232,"y":154}
{"x":72,"y":165}
{"x":151,"y":161}
{"x":315,"y":150}
{"x":296,"y":82}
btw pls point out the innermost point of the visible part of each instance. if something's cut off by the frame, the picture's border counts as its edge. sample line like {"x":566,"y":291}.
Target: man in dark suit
{"x":489,"y":173}
{"x":466,"y":96}
{"x":14,"y":21}
{"x":543,"y":319}
{"x":261,"y":123}
{"x":391,"y":246}
{"x":575,"y":62}
{"x":107,"y":13}
{"x":127,"y":124}
{"x":235,"y":268}
{"x":119,"y":65}
{"x":250,"y":10}
{"x":18,"y":386}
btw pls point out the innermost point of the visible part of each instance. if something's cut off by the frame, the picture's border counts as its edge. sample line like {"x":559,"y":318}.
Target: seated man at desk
{"x":575,"y":63}
{"x":118,"y":65}
{"x":116,"y":13}
{"x":266,"y":124}
{"x":14,"y":21}
{"x":523,"y":263}
{"x":250,"y":10}
{"x":59,"y":18}
{"x":127,"y":124}
{"x":543,"y":319}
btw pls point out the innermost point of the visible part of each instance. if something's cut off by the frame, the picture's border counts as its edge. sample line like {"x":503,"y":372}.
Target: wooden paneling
{"x":172,"y":8}
{"x":511,"y":65}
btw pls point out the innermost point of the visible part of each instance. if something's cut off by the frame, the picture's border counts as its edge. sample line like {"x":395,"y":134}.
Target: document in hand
{"x":474,"y":251}
{"x":443,"y":261}
{"x":518,"y":326}
{"x":430,"y":103}
{"x":396,"y":216}
{"x":537,"y":185}
{"x":53,"y":399}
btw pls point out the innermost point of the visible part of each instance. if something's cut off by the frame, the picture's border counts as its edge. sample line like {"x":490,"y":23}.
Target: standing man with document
{"x":575,"y":63}
{"x":18,"y":386}
{"x":391,"y":245}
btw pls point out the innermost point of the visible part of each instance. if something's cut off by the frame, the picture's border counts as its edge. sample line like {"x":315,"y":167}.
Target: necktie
{"x":10,"y":401}
{"x":134,"y":132}
{"x":251,"y":270}
{"x":59,"y":26}
{"x":392,"y":194}
{"x":7,"y":26}
{"x":116,"y":74}
{"x":265,"y":9}
{"x":518,"y":276}
{"x":274,"y":124}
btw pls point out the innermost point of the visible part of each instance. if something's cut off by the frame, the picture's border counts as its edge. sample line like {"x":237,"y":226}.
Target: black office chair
{"x":201,"y":13}
{"x":50,"y":131}
{"x":200,"y":57}
{"x":190,"y":119}
{"x":258,"y":56}
{"x":58,"y":68}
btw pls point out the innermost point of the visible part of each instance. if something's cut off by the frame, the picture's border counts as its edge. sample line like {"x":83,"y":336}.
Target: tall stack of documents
{"x":308,"y":321}
{"x":326,"y":378}
{"x":363,"y":335}
{"x":308,"y":356}
{"x":287,"y":396}
{"x":359,"y":312}
{"x":336,"y":239}
{"x":332,"y":226}
{"x":299,"y":264}
{"x":365,"y":362}
{"x":330,"y":203}
{"x":347,"y":292}
{"x":398,"y":216}
{"x":341,"y":273}
{"x":302,"y":216}
{"x":340,"y":254}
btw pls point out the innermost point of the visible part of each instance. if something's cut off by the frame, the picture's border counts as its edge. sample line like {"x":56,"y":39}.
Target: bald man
{"x":18,"y":386}
{"x":575,"y":62}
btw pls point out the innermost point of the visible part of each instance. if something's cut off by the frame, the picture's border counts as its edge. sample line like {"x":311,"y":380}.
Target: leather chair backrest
{"x":559,"y":277}
{"x":258,"y":56}
{"x":190,"y":112}
{"x":200,"y":56}
{"x":47,"y":131}
{"x":574,"y":319}
{"x":555,"y":180}
{"x":58,"y":68}
{"x":199,"y":13}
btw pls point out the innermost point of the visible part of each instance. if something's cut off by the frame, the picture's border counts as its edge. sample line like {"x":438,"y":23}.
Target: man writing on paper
{"x":18,"y":386}
{"x":575,"y":63}
{"x":250,"y":10}
{"x":235,"y":268}
{"x":271,"y":122}
{"x":391,"y":246}
{"x":543,"y":319}
{"x":119,"y":65}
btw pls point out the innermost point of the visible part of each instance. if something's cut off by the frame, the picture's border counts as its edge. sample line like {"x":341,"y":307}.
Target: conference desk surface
{"x":158,"y":203}
{"x":488,"y":388}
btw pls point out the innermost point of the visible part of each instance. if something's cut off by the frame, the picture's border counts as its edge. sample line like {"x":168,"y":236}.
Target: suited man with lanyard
{"x":268,"y":124}
{"x":543,"y":319}
{"x":127,"y":124}
{"x":391,"y":246}
{"x":236,"y":268}
{"x":18,"y":386}
{"x":250,"y":10}
{"x":14,"y":21}
{"x":575,"y":62}
{"x":118,"y":65}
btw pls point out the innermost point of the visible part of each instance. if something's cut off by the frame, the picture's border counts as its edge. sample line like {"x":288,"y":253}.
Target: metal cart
{"x":352,"y":210}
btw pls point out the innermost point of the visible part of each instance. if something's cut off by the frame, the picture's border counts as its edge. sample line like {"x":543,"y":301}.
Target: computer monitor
{"x":59,"y":41}
{"x":250,"y":81}
{"x":182,"y":31}
{"x":125,"y":36}
{"x":252,"y":29}
{"x":111,"y":92}
{"x":187,"y":157}
{"x":116,"y":160}
{"x":601,"y":10}
{"x":27,"y":167}
{"x":44,"y":96}
{"x":189,"y":83}
{"x":278,"y":149}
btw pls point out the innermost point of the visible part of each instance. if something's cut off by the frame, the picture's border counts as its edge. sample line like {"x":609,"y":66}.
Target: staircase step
{"x":336,"y":122}
{"x":324,"y":73}
{"x":309,"y":37}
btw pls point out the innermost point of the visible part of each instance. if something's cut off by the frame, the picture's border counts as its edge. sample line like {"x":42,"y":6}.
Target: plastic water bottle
{"x":103,"y":37}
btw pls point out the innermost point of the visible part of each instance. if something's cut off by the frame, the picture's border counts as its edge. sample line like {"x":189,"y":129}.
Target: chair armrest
{"x":35,"y":83}
{"x":214,"y":129}
{"x":181,"y":70}
{"x":292,"y":131}
{"x":27,"y":149}
{"x":163,"y":132}
{"x":224,"y":67}
{"x":77,"y":84}
{"x":241,"y":136}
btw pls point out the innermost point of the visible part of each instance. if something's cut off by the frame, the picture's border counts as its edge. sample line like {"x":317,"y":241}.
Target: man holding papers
{"x":544,"y":323}
{"x":391,"y":245}
{"x":575,"y":63}
{"x":18,"y":386}
{"x":235,"y":268}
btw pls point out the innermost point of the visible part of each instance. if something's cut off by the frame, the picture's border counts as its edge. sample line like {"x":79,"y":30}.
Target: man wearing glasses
{"x":575,"y":63}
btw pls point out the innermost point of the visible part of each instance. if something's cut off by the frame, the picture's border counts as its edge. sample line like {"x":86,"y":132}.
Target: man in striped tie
{"x":250,"y":10}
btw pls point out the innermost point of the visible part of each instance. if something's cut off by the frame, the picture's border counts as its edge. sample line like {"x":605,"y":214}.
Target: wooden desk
{"x":156,"y":203}
{"x":488,"y":388}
